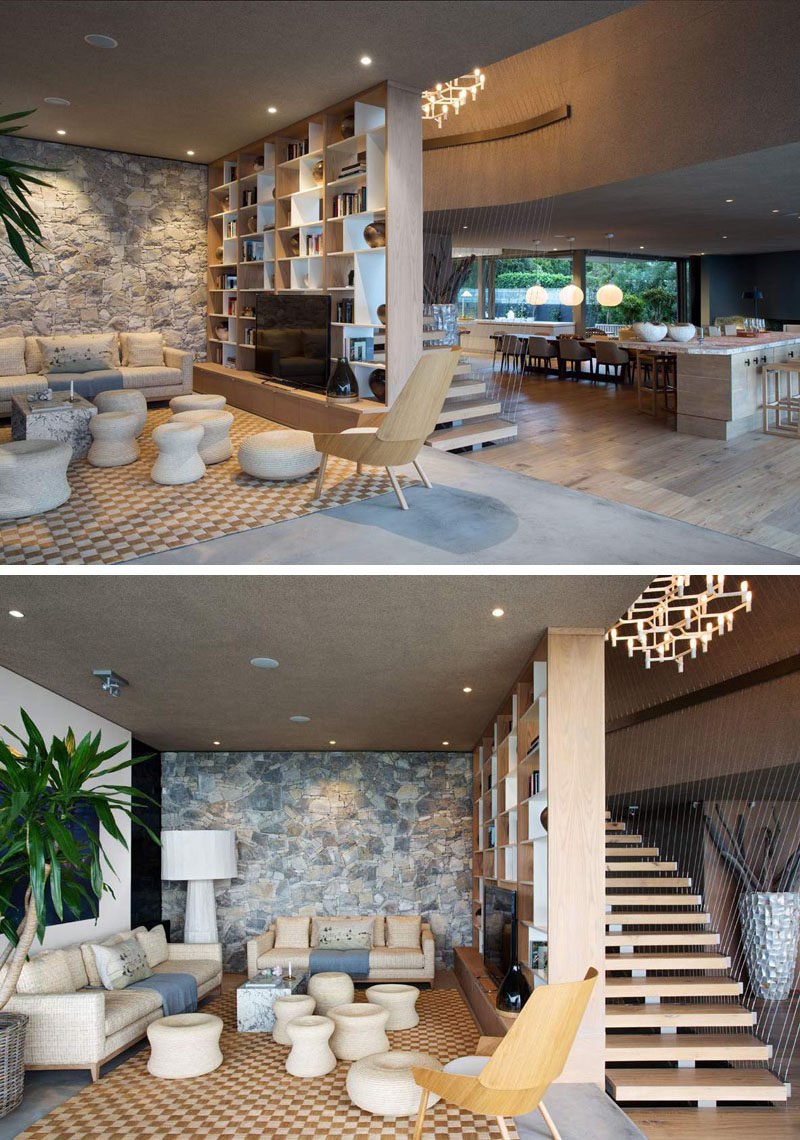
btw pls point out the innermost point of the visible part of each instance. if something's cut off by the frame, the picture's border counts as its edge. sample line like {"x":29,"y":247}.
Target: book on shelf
{"x":250,"y":336}
{"x":253,"y":250}
{"x":533,"y":784}
{"x":344,"y":204}
{"x":345,"y":311}
{"x":313,"y":245}
{"x":295,"y":150}
{"x":360,"y":348}
{"x":231,"y":306}
{"x":230,"y":228}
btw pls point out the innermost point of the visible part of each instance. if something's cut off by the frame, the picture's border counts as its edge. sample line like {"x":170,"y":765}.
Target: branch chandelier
{"x":437,"y":103}
{"x":679,"y":614}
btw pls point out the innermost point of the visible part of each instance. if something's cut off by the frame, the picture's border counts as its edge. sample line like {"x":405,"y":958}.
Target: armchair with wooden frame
{"x":524,"y":1064}
{"x":408,"y":423}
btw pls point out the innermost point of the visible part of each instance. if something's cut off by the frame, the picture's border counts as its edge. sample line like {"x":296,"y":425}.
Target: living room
{"x":449,"y":797}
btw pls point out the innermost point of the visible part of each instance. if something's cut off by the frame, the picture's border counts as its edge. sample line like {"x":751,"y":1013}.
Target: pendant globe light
{"x":536,"y":294}
{"x":571,"y":295}
{"x":609,"y":295}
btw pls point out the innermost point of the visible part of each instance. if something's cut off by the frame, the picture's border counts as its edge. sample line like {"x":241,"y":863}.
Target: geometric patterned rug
{"x":119,"y":513}
{"x":252,"y":1097}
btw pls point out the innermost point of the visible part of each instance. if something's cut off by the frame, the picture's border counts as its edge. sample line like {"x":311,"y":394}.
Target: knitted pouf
{"x":279,"y":455}
{"x":360,"y":1030}
{"x":184,"y":1045}
{"x":330,"y":988}
{"x":384,"y":1084}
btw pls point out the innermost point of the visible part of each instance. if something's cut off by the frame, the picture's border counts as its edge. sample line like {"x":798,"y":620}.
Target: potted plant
{"x":769,"y":905}
{"x":16,"y":210}
{"x":53,"y":802}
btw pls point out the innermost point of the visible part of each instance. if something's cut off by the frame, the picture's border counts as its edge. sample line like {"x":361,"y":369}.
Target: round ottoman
{"x":399,"y":1000}
{"x":195,"y":401}
{"x":33,"y":476}
{"x":113,"y":439}
{"x":311,"y":1055}
{"x":329,"y":989}
{"x":215,"y":446}
{"x":360,"y":1030}
{"x":279,"y":455}
{"x":184,"y":1045}
{"x":287,"y":1009}
{"x":384,"y":1084}
{"x":124,"y":400}
{"x":178,"y":458}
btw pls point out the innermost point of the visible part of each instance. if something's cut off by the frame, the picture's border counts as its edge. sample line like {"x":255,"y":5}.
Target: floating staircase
{"x":471,"y":415}
{"x":675,"y":1025}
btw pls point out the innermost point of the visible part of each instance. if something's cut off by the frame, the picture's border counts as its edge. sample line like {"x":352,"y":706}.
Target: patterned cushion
{"x":378,"y":928}
{"x":121,"y":964}
{"x":291,"y":932}
{"x":154,"y":944}
{"x":404,"y":932}
{"x":353,"y":935}
{"x":142,"y":349}
{"x":12,"y":356}
{"x":89,"y":962}
{"x":92,"y":353}
{"x":46,"y":974}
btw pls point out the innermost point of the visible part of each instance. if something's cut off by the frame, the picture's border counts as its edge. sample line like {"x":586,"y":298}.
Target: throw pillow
{"x":76,"y":967}
{"x":46,"y":974}
{"x":154,"y":944}
{"x":87,"y":952}
{"x":121,"y":964}
{"x":12,"y":356}
{"x":373,"y":924}
{"x":344,"y":936}
{"x":93,"y":353}
{"x":404,"y":932}
{"x":142,"y":350}
{"x":291,"y":933}
{"x":33,"y":358}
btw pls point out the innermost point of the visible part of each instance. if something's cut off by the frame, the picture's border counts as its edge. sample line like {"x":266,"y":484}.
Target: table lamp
{"x":199,"y":857}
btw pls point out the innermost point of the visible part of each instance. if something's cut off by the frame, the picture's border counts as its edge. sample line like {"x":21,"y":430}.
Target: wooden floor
{"x":590,"y":437}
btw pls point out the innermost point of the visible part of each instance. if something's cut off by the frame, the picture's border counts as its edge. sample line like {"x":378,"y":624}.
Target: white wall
{"x":53,"y":715}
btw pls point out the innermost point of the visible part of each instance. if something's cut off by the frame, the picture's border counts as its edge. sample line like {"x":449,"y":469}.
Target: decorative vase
{"x":382,"y":314}
{"x":377,"y":383}
{"x":351,"y":276}
{"x":221,"y":331}
{"x":375,"y":235}
{"x":770,"y":923}
{"x":681,"y":332}
{"x":652,"y":333}
{"x":220,"y":253}
{"x":442,"y":318}
{"x":343,"y":384}
{"x":347,"y":127}
{"x":252,"y":224}
{"x":543,"y":818}
{"x":514,"y":990}
{"x":318,"y":172}
{"x":294,"y":245}
{"x":12,"y":1060}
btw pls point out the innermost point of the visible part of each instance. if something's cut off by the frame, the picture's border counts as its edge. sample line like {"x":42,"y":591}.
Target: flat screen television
{"x":499,"y":930}
{"x":293,"y":339}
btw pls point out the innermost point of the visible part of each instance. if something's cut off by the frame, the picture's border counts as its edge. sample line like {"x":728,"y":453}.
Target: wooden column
{"x":579,"y":279}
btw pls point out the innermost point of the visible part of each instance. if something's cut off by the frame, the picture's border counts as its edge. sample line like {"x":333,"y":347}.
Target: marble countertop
{"x":715,"y":345}
{"x":518,"y":321}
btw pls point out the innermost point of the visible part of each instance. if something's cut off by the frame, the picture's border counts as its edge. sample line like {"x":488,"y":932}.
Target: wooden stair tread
{"x":632,"y":839}
{"x":614,"y":827}
{"x":658,"y":918}
{"x":691,"y":960}
{"x":466,"y":386}
{"x":695,"y":1084}
{"x":673,"y":1014}
{"x":653,"y":900}
{"x":648,"y":881}
{"x":626,"y":853}
{"x":655,"y":986}
{"x":686,"y":1047}
{"x":662,"y":938}
{"x":468,"y":410}
{"x":477,"y":431}
{"x":644,"y":866}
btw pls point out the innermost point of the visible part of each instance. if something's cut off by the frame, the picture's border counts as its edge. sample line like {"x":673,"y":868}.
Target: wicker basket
{"x":12,"y":1060}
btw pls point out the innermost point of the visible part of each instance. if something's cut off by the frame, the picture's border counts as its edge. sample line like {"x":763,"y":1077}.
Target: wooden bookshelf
{"x":279,"y":222}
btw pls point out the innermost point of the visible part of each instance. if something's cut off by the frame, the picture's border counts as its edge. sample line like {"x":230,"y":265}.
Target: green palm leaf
{"x":20,"y":220}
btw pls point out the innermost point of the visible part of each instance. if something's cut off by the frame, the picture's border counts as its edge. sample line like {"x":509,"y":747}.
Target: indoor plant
{"x":19,"y":217}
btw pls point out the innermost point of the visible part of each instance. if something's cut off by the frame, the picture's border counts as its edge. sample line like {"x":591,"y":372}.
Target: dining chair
{"x":610,"y":355}
{"x":525,"y":1063}
{"x":541,"y":352}
{"x":572,"y":351}
{"x":507,"y":347}
{"x":408,"y":423}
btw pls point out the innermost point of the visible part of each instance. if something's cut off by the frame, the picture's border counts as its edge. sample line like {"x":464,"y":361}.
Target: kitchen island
{"x":482,"y":329}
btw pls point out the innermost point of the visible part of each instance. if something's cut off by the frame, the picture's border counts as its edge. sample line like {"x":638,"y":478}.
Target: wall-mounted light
{"x":112,"y":682}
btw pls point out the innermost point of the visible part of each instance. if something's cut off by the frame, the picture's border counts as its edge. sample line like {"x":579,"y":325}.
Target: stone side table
{"x":255,"y":1001}
{"x":56,"y":419}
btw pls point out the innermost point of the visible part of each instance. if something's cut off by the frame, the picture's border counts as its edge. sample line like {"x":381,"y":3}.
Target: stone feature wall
{"x":126,"y":246}
{"x":332,"y":833}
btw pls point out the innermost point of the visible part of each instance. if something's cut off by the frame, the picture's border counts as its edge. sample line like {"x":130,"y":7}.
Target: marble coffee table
{"x":255,"y":1001}
{"x":57,"y":419}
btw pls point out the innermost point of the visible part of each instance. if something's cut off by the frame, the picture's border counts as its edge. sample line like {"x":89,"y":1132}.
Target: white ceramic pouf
{"x":184,"y":1045}
{"x":399,"y":1000}
{"x":279,"y":455}
{"x":286,"y":1009}
{"x":216,"y":444}
{"x":33,"y":476}
{"x":178,"y":458}
{"x":331,"y":988}
{"x":311,"y":1054}
{"x":384,"y":1083}
{"x":124,"y":400}
{"x":196,"y":401}
{"x":113,"y":439}
{"x":360,"y":1030}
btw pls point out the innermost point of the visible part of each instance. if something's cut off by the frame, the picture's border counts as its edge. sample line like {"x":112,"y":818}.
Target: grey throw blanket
{"x":178,"y":991}
{"x":352,"y":962}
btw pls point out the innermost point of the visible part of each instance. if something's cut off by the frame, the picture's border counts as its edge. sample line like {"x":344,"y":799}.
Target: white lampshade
{"x":198,"y":855}
{"x":536,"y":295}
{"x":571,"y":295}
{"x":609,"y":295}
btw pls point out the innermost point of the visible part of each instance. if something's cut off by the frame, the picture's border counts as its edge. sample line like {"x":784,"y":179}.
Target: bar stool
{"x":657,"y":383}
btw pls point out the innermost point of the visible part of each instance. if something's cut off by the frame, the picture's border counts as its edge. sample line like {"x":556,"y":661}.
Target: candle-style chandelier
{"x":678,"y":615}
{"x":437,"y":103}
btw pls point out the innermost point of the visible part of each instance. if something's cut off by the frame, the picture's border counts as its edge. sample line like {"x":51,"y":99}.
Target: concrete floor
{"x":481,"y":515}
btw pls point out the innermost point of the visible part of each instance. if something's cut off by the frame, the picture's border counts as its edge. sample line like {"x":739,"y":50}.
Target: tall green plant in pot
{"x":19,"y":218}
{"x":51,"y":851}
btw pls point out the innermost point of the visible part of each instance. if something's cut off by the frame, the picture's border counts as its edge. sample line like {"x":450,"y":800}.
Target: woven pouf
{"x":124,"y":400}
{"x":279,"y":455}
{"x":399,"y":1000}
{"x":215,"y":446}
{"x":384,"y":1084}
{"x":33,"y":476}
{"x":330,"y":988}
{"x":178,"y":458}
{"x":360,"y":1030}
{"x":184,"y":1045}
{"x":311,"y":1054}
{"x":113,"y":439}
{"x":287,"y":1009}
{"x":195,"y":401}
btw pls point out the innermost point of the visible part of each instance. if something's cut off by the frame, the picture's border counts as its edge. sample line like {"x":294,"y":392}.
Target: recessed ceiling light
{"x":467,"y":689}
{"x":776,"y":211}
{"x":300,"y":719}
{"x":729,"y":200}
{"x":97,"y":41}
{"x":215,"y":742}
{"x":498,"y":611}
{"x":445,"y":743}
{"x":465,"y":227}
{"x":57,"y":101}
{"x":263,"y":662}
{"x":190,"y":152}
{"x":724,"y":237}
{"x":16,"y":613}
{"x":641,"y":247}
{"x":61,"y":132}
{"x":272,"y":110}
{"x":366,"y":60}
{"x":331,"y":742}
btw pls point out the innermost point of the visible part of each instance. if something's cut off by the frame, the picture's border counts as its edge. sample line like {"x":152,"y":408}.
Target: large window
{"x":513,"y":276}
{"x":649,"y":288}
{"x":469,"y":293}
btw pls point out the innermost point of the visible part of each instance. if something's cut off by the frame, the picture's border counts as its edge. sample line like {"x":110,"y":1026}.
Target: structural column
{"x":579,"y":279}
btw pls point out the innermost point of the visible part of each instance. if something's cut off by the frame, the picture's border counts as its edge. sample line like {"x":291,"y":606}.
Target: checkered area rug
{"x":252,"y":1097}
{"x":119,"y":513}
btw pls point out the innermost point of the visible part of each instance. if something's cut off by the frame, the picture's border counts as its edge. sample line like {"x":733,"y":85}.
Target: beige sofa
{"x":85,"y":1027}
{"x":386,"y":963}
{"x":173,"y":378}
